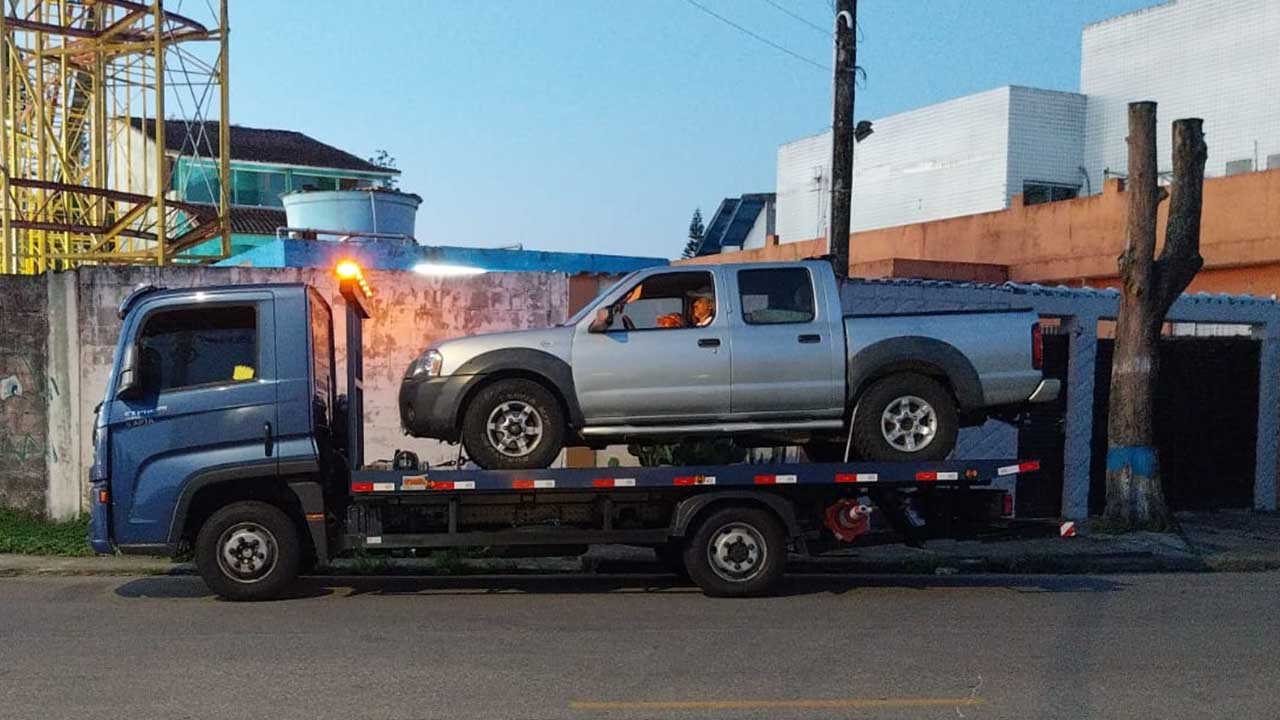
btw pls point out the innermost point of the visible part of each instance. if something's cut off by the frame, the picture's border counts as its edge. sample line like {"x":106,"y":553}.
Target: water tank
{"x":377,"y":210}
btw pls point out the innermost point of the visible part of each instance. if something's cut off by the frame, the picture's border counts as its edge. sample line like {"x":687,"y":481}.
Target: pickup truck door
{"x":788,"y":345}
{"x":655,"y":363}
{"x":206,"y":401}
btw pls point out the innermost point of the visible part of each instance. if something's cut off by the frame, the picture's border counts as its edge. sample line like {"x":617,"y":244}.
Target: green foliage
{"x":384,"y":159}
{"x":696,"y":232}
{"x":29,"y":534}
{"x":709,"y":451}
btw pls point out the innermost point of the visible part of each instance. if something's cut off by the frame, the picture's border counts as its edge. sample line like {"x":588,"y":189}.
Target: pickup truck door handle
{"x":267,"y":441}
{"x":809,"y":339}
{"x":709,"y":342}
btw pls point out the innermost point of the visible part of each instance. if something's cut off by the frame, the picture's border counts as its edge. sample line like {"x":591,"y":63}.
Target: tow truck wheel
{"x":737,"y":552}
{"x":513,"y":424}
{"x":248,"y":551}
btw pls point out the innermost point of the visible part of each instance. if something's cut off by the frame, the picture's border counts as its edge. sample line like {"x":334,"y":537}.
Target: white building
{"x":958,"y":157}
{"x":1214,"y":59}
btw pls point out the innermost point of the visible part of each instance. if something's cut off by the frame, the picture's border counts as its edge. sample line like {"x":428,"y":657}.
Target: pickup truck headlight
{"x":429,"y":363}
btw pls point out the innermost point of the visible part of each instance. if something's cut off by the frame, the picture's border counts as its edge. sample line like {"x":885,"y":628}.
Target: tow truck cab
{"x":215,"y":392}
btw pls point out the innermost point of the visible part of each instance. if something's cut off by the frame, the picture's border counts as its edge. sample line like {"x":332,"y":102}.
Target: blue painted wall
{"x":392,"y":255}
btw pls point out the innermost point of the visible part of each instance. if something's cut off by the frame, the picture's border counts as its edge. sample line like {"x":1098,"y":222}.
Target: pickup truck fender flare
{"x":922,"y":354}
{"x":689,"y":508}
{"x":523,"y":362}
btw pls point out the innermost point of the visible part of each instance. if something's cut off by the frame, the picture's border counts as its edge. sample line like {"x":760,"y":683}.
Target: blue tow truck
{"x":222,"y":434}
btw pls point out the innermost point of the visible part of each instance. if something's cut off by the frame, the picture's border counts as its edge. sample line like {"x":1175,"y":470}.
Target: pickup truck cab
{"x":764,"y":353}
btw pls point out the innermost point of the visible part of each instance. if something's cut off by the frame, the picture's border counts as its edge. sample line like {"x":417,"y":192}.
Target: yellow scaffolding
{"x":91,"y":92}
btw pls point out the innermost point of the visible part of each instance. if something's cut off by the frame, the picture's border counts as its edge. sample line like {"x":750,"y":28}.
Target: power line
{"x":753,"y":35}
{"x":782,"y":9}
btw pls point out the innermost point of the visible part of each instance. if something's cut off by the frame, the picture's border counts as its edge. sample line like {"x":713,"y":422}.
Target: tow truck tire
{"x":737,"y":552}
{"x":891,"y":415}
{"x":526,"y":414}
{"x":248,"y":551}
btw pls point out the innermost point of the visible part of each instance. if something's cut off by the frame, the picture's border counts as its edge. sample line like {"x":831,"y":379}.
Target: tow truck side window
{"x":322,"y":338}
{"x":192,"y":347}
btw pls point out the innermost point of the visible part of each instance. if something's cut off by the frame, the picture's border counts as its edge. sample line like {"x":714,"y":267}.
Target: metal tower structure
{"x":87,"y":171}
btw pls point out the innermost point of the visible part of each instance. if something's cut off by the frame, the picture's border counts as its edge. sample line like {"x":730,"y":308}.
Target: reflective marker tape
{"x":1067,"y":529}
{"x":373,"y":540}
{"x":361,"y":487}
{"x":857,"y":477}
{"x":384,"y":487}
{"x":532,"y":484}
{"x":694,"y":480}
{"x":1028,"y":466}
{"x":613,"y":482}
{"x":464,"y":485}
{"x":931,"y":476}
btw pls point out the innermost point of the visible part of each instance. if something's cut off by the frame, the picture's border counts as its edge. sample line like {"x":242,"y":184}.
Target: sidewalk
{"x":1220,"y":541}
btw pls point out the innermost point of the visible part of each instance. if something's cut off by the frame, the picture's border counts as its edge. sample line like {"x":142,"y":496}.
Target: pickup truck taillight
{"x":1037,"y":347}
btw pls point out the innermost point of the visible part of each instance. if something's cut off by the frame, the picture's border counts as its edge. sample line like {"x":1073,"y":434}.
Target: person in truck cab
{"x":701,"y":312}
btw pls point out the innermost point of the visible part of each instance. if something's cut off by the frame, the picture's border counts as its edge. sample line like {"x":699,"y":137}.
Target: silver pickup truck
{"x":763,"y":353}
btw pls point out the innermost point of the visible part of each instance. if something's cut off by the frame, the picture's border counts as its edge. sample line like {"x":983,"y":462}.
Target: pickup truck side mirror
{"x":604,"y":319}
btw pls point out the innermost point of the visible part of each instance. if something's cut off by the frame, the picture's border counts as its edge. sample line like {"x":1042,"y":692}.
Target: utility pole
{"x":842,"y":136}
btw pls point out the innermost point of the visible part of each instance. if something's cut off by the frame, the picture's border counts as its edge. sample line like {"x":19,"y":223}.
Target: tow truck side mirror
{"x":129,"y":382}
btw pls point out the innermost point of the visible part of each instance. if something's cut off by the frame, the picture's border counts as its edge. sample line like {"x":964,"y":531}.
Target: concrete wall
{"x":24,"y":390}
{"x":61,"y":333}
{"x":1214,"y":59}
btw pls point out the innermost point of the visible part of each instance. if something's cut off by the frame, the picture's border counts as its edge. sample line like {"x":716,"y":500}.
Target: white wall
{"x":1046,"y":138}
{"x":1214,"y":59}
{"x":935,"y":162}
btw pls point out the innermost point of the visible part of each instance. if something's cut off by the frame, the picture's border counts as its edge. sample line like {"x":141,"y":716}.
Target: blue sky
{"x":594,"y":126}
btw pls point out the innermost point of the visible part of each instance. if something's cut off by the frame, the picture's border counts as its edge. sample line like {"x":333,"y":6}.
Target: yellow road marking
{"x":798,"y":704}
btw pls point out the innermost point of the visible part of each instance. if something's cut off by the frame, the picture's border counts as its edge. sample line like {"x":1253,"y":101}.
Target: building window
{"x":1239,"y":167}
{"x":249,"y":187}
{"x":1036,"y":193}
{"x":1273,"y":162}
{"x":198,"y":183}
{"x":313,"y":182}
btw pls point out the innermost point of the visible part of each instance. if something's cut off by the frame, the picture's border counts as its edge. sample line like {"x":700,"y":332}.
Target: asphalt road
{"x":1166,"y":646}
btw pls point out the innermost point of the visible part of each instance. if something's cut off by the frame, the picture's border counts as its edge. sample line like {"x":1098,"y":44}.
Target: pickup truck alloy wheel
{"x":515,"y":428}
{"x":248,"y":552}
{"x":905,"y":417}
{"x":513,"y":424}
{"x":909,"y":423}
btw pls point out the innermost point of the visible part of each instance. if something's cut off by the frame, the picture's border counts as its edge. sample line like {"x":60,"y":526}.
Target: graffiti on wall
{"x":10,"y":387}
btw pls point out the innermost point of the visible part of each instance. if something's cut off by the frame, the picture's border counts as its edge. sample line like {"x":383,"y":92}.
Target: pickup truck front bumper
{"x":1046,"y":391}
{"x":429,"y":405}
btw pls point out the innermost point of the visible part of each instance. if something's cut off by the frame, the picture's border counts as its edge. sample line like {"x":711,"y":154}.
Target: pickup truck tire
{"x":513,"y":424}
{"x":905,"y":417}
{"x":736,"y":552}
{"x":248,"y":551}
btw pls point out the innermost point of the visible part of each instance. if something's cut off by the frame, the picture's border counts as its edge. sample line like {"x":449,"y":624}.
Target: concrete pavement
{"x":536,"y":648}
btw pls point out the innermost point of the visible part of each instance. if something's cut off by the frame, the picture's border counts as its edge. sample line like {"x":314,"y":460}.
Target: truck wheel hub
{"x":737,"y":552}
{"x":248,"y":552}
{"x":514,"y":428}
{"x":909,"y":423}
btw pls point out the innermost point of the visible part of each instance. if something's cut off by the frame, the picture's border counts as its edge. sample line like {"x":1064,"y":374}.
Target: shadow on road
{"x":346,"y":587}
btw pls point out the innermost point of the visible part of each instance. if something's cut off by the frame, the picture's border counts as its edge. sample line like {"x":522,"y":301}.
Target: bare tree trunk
{"x":1135,"y":497}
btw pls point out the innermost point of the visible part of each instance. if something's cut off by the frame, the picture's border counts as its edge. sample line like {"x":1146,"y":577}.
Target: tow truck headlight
{"x":429,"y":363}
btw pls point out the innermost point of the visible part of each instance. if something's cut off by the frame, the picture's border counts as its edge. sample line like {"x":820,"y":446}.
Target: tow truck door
{"x":204,"y":402}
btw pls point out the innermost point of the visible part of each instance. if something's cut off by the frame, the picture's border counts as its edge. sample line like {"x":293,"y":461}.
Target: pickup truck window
{"x":668,"y":301}
{"x":776,"y":296}
{"x":199,"y":346}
